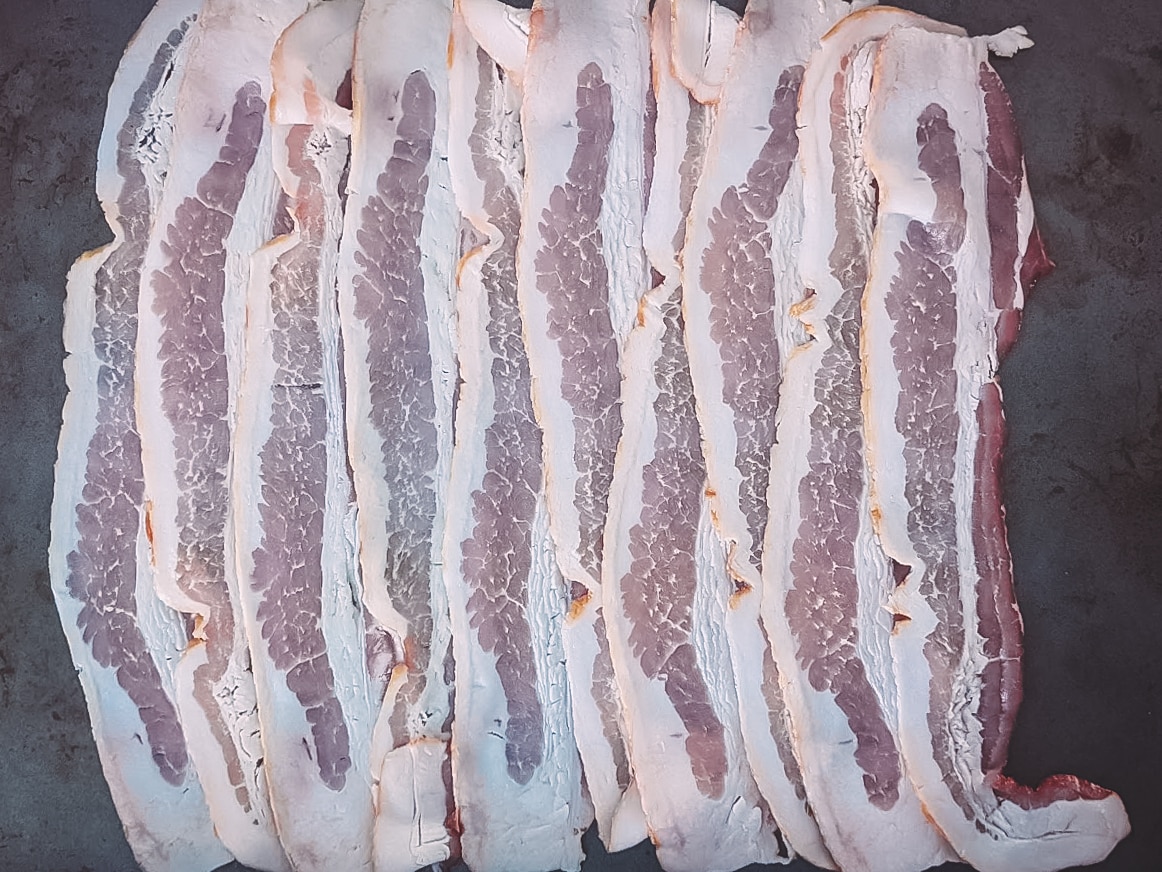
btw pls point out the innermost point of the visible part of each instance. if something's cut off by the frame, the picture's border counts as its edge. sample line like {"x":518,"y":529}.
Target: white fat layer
{"x":873,"y":572}
{"x":610,"y":803}
{"x":572,"y":811}
{"x":155,"y":139}
{"x":1066,"y":832}
{"x":162,"y":628}
{"x":703,"y":35}
{"x":230,"y":47}
{"x":546,"y":166}
{"x":975,"y":365}
{"x":507,"y":827}
{"x":1008,"y":42}
{"x":671,"y":143}
{"x":250,"y":433}
{"x":501,"y":30}
{"x":787,"y":231}
{"x":328,"y":33}
{"x":1025,"y":229}
{"x":309,"y":63}
{"x":622,"y":206}
{"x":410,"y":829}
{"x":168,"y":828}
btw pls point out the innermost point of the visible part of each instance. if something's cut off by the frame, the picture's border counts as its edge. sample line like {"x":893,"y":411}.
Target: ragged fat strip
{"x":665,"y":586}
{"x":397,"y":264}
{"x":826,"y":581}
{"x":217,"y":208}
{"x":955,"y":230}
{"x":741,"y":278}
{"x":515,"y":767}
{"x":702,"y":36}
{"x":581,"y":270}
{"x":293,"y":501}
{"x":501,"y":30}
{"x":124,"y":640}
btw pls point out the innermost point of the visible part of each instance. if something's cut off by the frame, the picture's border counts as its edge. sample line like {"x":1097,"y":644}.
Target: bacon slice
{"x":580,"y":271}
{"x":124,"y":640}
{"x":299,"y":581}
{"x":827,"y":581}
{"x":702,"y":35}
{"x":516,"y":770}
{"x":397,"y":263}
{"x":954,"y":231}
{"x":665,"y":587}
{"x":215,"y":212}
{"x":742,"y":280}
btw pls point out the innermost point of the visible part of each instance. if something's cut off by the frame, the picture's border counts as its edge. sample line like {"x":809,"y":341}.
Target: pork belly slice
{"x":581,"y":269}
{"x":666,"y":596}
{"x":516,"y":771}
{"x":664,"y":586}
{"x":217,"y":208}
{"x":954,"y":231}
{"x":124,"y":640}
{"x":827,"y":582}
{"x":702,"y":36}
{"x":397,"y":265}
{"x":293,"y":501}
{"x":741,"y":276}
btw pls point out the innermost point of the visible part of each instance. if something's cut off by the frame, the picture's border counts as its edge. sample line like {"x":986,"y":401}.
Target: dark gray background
{"x":1083,"y":389}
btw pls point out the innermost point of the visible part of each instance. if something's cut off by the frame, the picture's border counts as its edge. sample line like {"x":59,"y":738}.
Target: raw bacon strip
{"x":668,"y":593}
{"x":299,"y":589}
{"x":581,"y":270}
{"x":396,"y":271}
{"x":515,"y":766}
{"x":1016,"y":263}
{"x":215,"y":212}
{"x":741,"y":280}
{"x":701,"y":39}
{"x":123,"y":639}
{"x":948,"y":249}
{"x":827,"y":582}
{"x":665,"y":586}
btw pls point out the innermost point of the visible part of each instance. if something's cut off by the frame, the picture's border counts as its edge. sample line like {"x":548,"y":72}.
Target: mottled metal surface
{"x":1083,"y":399}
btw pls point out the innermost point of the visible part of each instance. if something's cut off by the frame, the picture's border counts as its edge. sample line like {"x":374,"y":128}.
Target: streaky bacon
{"x":954,"y":225}
{"x":217,"y":209}
{"x":741,"y":280}
{"x":124,"y":640}
{"x":581,"y":269}
{"x":516,"y":770}
{"x":665,"y":588}
{"x":397,"y":261}
{"x":299,"y":584}
{"x":648,"y":424}
{"x":702,"y":37}
{"x":827,"y":583}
